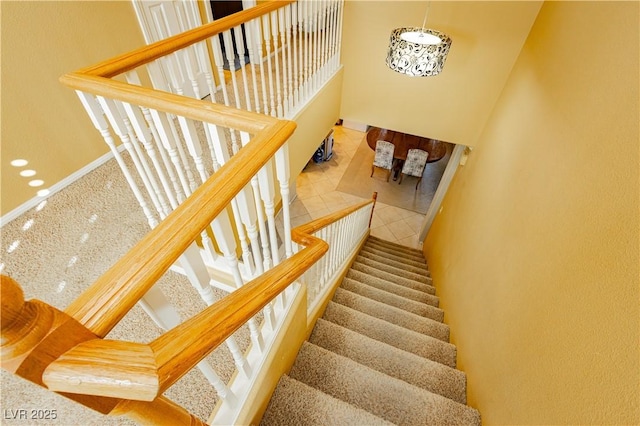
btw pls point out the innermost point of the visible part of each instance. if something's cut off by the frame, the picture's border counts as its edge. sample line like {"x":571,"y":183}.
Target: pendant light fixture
{"x":418,"y":52}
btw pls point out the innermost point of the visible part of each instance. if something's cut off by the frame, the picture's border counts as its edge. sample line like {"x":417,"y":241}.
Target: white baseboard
{"x":28,"y":205}
{"x":354,"y":125}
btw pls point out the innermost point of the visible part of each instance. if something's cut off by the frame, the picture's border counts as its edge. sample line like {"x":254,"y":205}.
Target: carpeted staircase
{"x":379,"y":355}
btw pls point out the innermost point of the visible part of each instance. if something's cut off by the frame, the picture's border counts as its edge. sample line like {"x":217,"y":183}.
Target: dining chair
{"x":414,"y":165}
{"x":383,"y":157}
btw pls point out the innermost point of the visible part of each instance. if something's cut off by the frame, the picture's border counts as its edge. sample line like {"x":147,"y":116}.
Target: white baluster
{"x":220,"y":152}
{"x":237,"y":32}
{"x":195,"y":149}
{"x":191,"y":64}
{"x":295,"y":19}
{"x":172,"y":63}
{"x":341,"y":15}
{"x":96,"y":114}
{"x":182,"y":155}
{"x":224,"y":237}
{"x":283,"y":50}
{"x":256,"y":42}
{"x":267,"y":193}
{"x":290,"y":69}
{"x":145,"y":136}
{"x":116,"y":121}
{"x":248,"y":215}
{"x":249,"y":29}
{"x":197,"y":273}
{"x":267,"y":41}
{"x":307,"y":49}
{"x":334,"y":36}
{"x":217,"y":55}
{"x":166,"y":136}
{"x":228,"y":50}
{"x":156,"y":305}
{"x":175,"y":74}
{"x":323,"y":40}
{"x":264,"y":239}
{"x":164,"y":208}
{"x":274,"y":35}
{"x":316,"y":46}
{"x":175,"y":183}
{"x":283,"y":175}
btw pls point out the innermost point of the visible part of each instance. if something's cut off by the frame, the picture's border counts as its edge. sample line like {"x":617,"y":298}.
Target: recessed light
{"x":19,"y":162}
{"x":28,"y":173}
{"x":36,"y":183}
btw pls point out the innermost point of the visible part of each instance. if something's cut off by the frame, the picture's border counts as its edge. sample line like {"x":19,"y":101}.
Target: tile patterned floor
{"x":317,"y":195}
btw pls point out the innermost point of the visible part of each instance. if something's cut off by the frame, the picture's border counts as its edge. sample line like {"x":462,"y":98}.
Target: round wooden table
{"x":405,"y":142}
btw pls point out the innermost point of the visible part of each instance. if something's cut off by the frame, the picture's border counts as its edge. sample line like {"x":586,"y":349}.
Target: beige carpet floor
{"x":55,"y":251}
{"x":357,"y":181}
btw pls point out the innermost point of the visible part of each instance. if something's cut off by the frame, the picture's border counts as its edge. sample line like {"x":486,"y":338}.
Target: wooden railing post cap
{"x":11,"y":301}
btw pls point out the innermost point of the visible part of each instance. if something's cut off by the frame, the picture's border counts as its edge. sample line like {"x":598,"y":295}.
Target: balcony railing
{"x":208,"y":175}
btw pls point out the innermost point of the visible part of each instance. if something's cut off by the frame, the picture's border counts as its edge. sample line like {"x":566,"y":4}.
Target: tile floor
{"x":317,"y":195}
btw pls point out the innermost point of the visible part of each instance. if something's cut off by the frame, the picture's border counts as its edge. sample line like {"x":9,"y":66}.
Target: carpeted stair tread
{"x":389,"y":398}
{"x":394,"y":270}
{"x":392,"y":299}
{"x":400,"y":265}
{"x":397,"y":257}
{"x":416,"y":257}
{"x":392,"y":314}
{"x":396,"y":253}
{"x":367,"y":276}
{"x":394,"y":335}
{"x":392,"y":287}
{"x":296,"y":403}
{"x":403,"y":365}
{"x":395,"y":246}
{"x":362,"y":272}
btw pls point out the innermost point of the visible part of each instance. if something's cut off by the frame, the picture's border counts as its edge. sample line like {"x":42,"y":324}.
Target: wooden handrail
{"x":324,"y":221}
{"x":146,"y":54}
{"x":104,"y":304}
{"x":161,"y":363}
{"x":144,"y":371}
{"x":195,"y":109}
{"x":68,"y":351}
{"x":35,"y":334}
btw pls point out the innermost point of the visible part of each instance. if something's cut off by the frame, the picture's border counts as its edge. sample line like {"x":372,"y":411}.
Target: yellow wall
{"x":314,"y":123}
{"x":452,"y":106}
{"x":42,"y":121}
{"x":535,"y":253}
